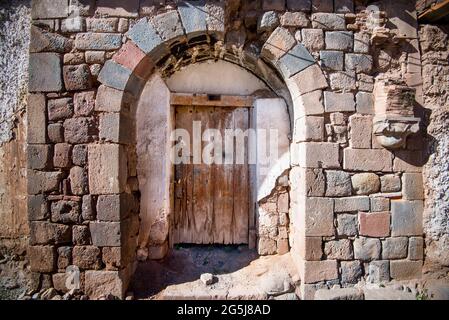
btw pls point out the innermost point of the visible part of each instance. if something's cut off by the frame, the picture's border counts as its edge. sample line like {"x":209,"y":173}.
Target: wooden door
{"x":212,"y":200}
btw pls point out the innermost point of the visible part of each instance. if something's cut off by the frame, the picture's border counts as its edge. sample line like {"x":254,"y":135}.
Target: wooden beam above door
{"x":213,"y":100}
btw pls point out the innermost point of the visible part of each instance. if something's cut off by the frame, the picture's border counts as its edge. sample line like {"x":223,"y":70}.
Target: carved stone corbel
{"x":394,"y":117}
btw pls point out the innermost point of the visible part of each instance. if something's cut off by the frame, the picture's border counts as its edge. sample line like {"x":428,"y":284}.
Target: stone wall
{"x":435,"y":50}
{"x":355,"y":206}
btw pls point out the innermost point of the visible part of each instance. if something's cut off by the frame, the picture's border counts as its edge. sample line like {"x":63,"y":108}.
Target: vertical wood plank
{"x":241,"y":182}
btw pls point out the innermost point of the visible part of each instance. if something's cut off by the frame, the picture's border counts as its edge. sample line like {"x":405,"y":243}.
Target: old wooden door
{"x":211,"y":200}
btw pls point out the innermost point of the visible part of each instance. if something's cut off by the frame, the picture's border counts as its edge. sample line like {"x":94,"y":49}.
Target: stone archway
{"x":150,"y":50}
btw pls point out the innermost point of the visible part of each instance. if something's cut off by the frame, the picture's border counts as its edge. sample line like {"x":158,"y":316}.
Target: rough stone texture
{"x":412,"y":186}
{"x":332,"y":60}
{"x":80,"y":130}
{"x":328,"y":21}
{"x":394,"y":248}
{"x":105,"y":234}
{"x":405,"y":269}
{"x":367,"y":160}
{"x":313,"y":39}
{"x":434,"y":43}
{"x":344,"y":81}
{"x":416,"y":248}
{"x":379,"y":271}
{"x":347,"y":225}
{"x":340,"y":250}
{"x":42,"y":258}
{"x":338,"y":184}
{"x":365,"y":183}
{"x":351,"y":204}
{"x":279,"y":43}
{"x":360,"y":131}
{"x":98,"y":41}
{"x":351,"y":272}
{"x":367,"y":249}
{"x":98,"y":283}
{"x":390,"y":183}
{"x":364,"y":101}
{"x":296,"y":60}
{"x":359,"y":62}
{"x":379,"y":204}
{"x":339,"y":294}
{"x":406,"y":218}
{"x":86,"y":257}
{"x":315,"y":271}
{"x":45,"y":79}
{"x":339,"y":40}
{"x":339,"y":102}
{"x":376,"y":224}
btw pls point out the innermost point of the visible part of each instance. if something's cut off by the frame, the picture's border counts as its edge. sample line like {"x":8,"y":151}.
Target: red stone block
{"x":374,"y":224}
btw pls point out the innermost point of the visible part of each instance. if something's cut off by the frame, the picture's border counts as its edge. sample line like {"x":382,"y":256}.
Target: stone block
{"x":295,"y":20}
{"x":406,"y":218}
{"x":112,"y":258}
{"x":332,"y":60}
{"x":416,"y":248}
{"x":365,"y":183}
{"x":80,"y":130}
{"x":45,"y":72}
{"x":361,"y":42}
{"x":42,"y":258}
{"x":365,"y":82}
{"x":347,"y":225}
{"x":39,"y":156}
{"x":379,"y":204}
{"x":38,"y":208}
{"x":64,"y":257}
{"x":351,"y":272}
{"x":408,"y":161}
{"x":59,"y":281}
{"x":55,"y":132}
{"x":352,"y":204}
{"x":115,"y":75}
{"x":322,"y":5}
{"x":115,"y":127}
{"x":107,"y":169}
{"x":378,"y":271}
{"x":98,"y":41}
{"x":193,"y":17}
{"x":367,"y":249}
{"x":338,"y":183}
{"x":77,"y":77}
{"x":84,"y":103}
{"x":73,"y":25}
{"x":102,"y":24}
{"x":367,"y":160}
{"x":375,"y":224}
{"x":216,"y":18}
{"x":79,"y":184}
{"x":88,"y":208}
{"x":339,"y":102}
{"x":295,"y":60}
{"x":310,"y":182}
{"x":412,"y":186}
{"x":118,"y":8}
{"x":81,"y":235}
{"x":309,"y":104}
{"x":109,"y":99}
{"x":364,"y":102}
{"x":328,"y":21}
{"x":309,"y":128}
{"x":44,"y":232}
{"x":113,"y":207}
{"x":133,"y":58}
{"x":105,"y":234}
{"x":318,"y":217}
{"x":316,"y":271}
{"x":278,"y":44}
{"x":360,"y":128}
{"x":316,"y":155}
{"x":343,"y":81}
{"x":390,"y":183}
{"x":79,"y":155}
{"x":278,"y":5}
{"x":405,"y":269}
{"x":49,"y":9}
{"x":62,"y":155}
{"x":339,"y":294}
{"x":66,"y":212}
{"x":339,"y":250}
{"x":43,"y":41}
{"x":339,"y":40}
{"x":145,"y":36}
{"x":93,"y":57}
{"x":359,"y":62}
{"x":39,"y":182}
{"x":59,"y":109}
{"x":36,"y":121}
{"x":394,"y":248}
{"x":308,"y":80}
{"x":168,"y":25}
{"x":299,"y":5}
{"x":313,"y":39}
{"x":99,"y":283}
{"x":310,"y":248}
{"x":87,"y":257}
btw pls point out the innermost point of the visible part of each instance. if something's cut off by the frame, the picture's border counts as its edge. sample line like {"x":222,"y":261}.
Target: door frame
{"x":218,"y":100}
